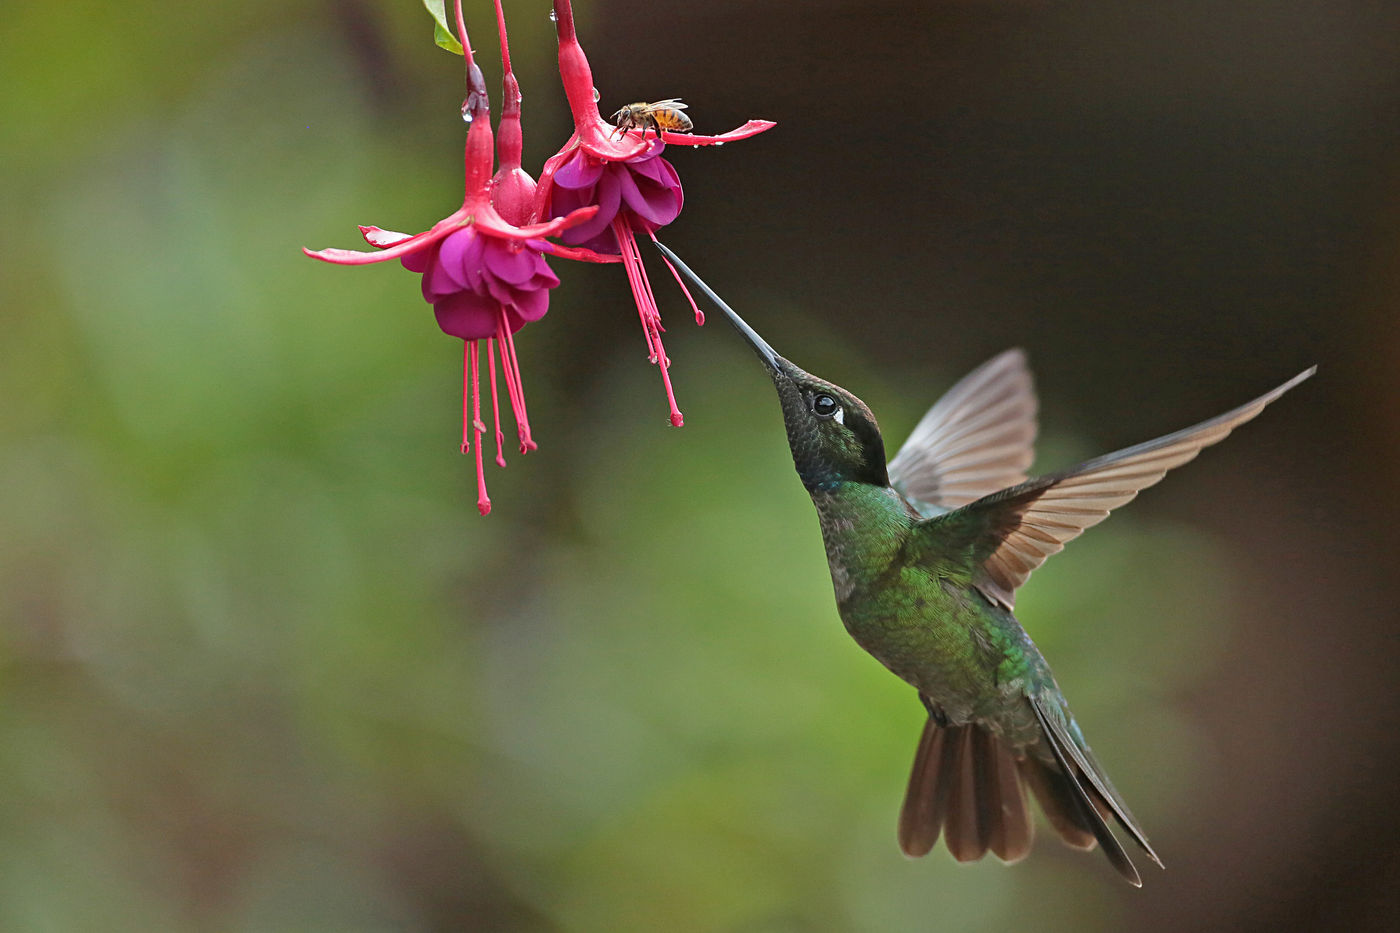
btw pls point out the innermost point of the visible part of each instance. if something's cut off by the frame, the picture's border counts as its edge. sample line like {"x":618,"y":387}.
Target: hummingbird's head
{"x":833,"y":435}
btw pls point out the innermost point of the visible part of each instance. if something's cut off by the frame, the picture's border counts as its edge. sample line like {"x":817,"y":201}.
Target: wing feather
{"x":1013,"y":531}
{"x":975,"y":440}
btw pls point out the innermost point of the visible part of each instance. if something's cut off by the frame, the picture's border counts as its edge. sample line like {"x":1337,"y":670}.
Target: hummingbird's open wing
{"x":1011,"y":533}
{"x":975,"y":440}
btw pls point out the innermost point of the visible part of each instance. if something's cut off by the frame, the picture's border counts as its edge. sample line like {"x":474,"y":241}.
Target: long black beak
{"x":760,"y":346}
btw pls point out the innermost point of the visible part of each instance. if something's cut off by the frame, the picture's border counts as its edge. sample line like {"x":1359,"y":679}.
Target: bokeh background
{"x":263,"y":668}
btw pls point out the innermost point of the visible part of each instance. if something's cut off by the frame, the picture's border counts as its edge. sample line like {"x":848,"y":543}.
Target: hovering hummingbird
{"x":926,"y":556}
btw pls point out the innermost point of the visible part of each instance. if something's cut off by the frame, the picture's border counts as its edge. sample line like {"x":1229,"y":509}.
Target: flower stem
{"x":476,"y":110}
{"x":462,"y":35}
{"x":505,"y":44}
{"x":510,"y":144}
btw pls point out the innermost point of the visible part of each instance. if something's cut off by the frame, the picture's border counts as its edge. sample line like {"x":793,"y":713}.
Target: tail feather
{"x":1093,"y":794}
{"x":966,"y":786}
{"x":963,"y":831}
{"x":1007,"y":814}
{"x":971,"y":787}
{"x":1057,"y":802}
{"x":1084,"y":789}
{"x":926,"y":798}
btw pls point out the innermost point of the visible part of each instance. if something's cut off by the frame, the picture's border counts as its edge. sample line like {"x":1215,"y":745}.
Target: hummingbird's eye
{"x":824,"y":406}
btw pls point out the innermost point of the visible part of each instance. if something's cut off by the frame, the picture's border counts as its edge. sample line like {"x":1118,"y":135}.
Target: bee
{"x":662,"y":115}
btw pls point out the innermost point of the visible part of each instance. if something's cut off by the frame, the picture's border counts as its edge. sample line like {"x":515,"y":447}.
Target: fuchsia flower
{"x":625,"y":178}
{"x":483,"y":266}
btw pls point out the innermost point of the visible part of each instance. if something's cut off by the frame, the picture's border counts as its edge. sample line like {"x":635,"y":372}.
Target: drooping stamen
{"x":646,"y":309}
{"x":483,"y":501}
{"x":510,"y":366}
{"x":495,"y":402}
{"x":656,"y":324}
{"x":644,"y":300}
{"x":466,"y":395}
{"x":699,"y":315}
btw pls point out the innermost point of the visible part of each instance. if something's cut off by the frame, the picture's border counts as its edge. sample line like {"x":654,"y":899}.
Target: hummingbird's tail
{"x":1076,"y":794}
{"x":970,"y":786}
{"x":965,"y":784}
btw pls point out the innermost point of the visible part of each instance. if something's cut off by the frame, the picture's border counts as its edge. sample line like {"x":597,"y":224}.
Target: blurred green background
{"x":263,"y":668}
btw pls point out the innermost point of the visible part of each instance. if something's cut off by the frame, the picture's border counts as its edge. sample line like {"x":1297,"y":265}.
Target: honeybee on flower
{"x":662,"y":115}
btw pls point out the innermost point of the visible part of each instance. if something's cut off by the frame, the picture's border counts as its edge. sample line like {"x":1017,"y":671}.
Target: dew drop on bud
{"x":719,"y":142}
{"x":596,"y":96}
{"x":466,"y":115}
{"x":553,"y":17}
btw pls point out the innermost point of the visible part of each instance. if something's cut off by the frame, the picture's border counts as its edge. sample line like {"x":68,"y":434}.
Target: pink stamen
{"x":510,"y":365}
{"x":495,"y":402}
{"x":505,"y":368}
{"x":466,"y":394}
{"x":483,"y":501}
{"x":639,"y":294}
{"x":646,"y":309}
{"x":646,"y":281}
{"x":699,"y":315}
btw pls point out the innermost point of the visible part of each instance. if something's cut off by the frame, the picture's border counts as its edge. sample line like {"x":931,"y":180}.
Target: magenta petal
{"x":437,"y":284}
{"x":420,"y":260}
{"x":653,"y":149}
{"x":544,"y":276}
{"x":467,"y":315}
{"x":515,"y":266}
{"x":658,"y":170}
{"x":513,"y":320}
{"x":532,"y":305}
{"x":581,"y":171}
{"x":503,"y":292}
{"x":461,"y":256}
{"x":653,"y":203}
{"x":608,"y":197}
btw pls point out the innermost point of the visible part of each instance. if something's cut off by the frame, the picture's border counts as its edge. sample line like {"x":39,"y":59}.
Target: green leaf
{"x":442,"y":35}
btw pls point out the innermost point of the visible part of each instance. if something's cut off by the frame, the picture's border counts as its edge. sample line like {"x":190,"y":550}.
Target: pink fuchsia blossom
{"x":483,"y":266}
{"x":622,"y":174}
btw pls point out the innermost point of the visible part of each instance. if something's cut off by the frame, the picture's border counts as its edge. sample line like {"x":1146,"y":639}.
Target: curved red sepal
{"x":378,"y":236}
{"x":400,"y":248}
{"x":751,"y":128}
{"x":488,"y":221}
{"x":581,"y":254}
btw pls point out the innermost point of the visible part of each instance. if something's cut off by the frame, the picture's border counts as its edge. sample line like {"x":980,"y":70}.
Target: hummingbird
{"x":927,"y":553}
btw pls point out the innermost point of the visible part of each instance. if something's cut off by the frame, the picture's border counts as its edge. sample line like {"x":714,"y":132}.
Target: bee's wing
{"x":1012,"y":532}
{"x":977,"y":439}
{"x":673,"y":104}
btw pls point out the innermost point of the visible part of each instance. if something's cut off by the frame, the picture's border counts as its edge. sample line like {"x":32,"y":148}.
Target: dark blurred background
{"x":263,"y":668}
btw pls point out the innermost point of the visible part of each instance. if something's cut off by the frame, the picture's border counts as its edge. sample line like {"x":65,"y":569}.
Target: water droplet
{"x":553,"y":17}
{"x":466,"y":116}
{"x":719,"y":142}
{"x":596,"y":96}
